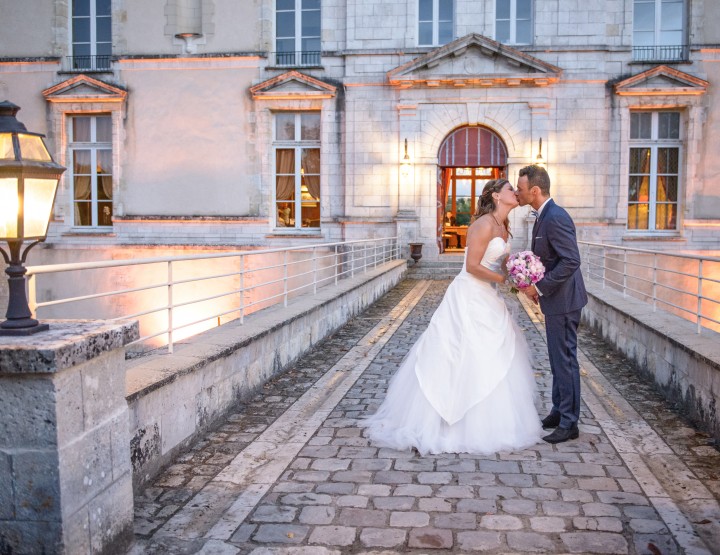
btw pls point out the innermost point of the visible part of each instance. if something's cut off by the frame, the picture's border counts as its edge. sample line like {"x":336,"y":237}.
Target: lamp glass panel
{"x":39,"y":197}
{"x":32,"y":147}
{"x":6,"y":147}
{"x":8,"y":207}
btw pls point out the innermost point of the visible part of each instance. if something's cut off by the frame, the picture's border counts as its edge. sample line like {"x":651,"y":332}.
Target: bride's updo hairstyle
{"x":486,"y":202}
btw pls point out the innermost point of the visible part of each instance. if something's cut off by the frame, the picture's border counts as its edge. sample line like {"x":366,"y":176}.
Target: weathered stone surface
{"x":67,"y":343}
{"x":430,"y":538}
{"x":595,"y":542}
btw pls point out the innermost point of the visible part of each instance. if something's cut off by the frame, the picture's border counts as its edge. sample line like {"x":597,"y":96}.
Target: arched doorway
{"x":468,"y":158}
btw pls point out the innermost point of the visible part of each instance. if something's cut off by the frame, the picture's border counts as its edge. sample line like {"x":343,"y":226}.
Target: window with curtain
{"x":297,"y":169}
{"x":435,"y":22}
{"x":659,"y":30}
{"x":297,"y":32}
{"x":90,"y":143}
{"x":513,"y":21}
{"x":654,"y":180}
{"x":91,"y":32}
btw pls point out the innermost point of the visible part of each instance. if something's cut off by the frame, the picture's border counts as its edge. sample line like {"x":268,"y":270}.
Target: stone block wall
{"x":65,"y":474}
{"x":683,"y":364}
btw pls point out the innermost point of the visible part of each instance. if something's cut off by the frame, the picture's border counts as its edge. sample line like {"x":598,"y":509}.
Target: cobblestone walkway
{"x":290,"y":472}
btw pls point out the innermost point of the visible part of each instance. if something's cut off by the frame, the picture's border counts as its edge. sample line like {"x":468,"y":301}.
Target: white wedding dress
{"x":466,"y":386}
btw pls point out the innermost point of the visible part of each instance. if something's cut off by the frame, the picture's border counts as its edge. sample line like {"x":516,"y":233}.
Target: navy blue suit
{"x":562,"y":298}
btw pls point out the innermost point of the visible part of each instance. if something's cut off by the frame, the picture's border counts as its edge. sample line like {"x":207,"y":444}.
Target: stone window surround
{"x":266,"y":145}
{"x":692,"y":114}
{"x":61,"y":108}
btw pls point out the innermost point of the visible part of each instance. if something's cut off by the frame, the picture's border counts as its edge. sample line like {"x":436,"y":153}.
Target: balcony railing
{"x":667,"y":53}
{"x":296,"y":59}
{"x":89,"y":63}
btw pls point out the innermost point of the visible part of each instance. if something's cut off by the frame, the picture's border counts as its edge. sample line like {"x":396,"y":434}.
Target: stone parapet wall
{"x":685,"y":365}
{"x":65,"y":473}
{"x":174,"y":398}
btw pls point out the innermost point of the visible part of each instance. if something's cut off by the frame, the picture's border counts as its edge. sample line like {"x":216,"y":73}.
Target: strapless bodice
{"x":495,"y":253}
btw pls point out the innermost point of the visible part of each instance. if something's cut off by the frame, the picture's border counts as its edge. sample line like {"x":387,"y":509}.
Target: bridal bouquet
{"x":524,"y":269}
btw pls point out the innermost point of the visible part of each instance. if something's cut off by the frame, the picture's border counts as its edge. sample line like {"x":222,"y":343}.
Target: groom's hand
{"x":532,"y":294}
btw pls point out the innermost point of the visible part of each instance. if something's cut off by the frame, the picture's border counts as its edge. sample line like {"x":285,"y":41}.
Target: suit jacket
{"x":555,"y":242}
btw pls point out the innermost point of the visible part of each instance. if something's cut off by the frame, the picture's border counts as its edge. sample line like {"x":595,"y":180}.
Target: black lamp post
{"x":28,"y":183}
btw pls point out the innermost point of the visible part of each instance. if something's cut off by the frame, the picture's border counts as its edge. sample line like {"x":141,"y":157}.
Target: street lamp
{"x":28,"y":182}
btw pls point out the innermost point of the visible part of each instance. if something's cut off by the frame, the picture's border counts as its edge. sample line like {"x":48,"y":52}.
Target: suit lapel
{"x":539,"y":220}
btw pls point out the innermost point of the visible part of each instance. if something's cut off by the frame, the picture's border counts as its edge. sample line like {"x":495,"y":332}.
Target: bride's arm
{"x":478,"y":238}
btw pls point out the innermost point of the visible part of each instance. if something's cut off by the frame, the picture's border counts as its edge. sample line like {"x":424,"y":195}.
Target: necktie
{"x":535,"y":226}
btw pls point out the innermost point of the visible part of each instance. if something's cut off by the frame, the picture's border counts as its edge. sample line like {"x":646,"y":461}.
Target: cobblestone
{"x":340,"y":494}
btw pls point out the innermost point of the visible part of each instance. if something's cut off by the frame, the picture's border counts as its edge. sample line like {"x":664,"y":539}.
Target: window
{"x":658,"y":30}
{"x":91,"y":31}
{"x":654,"y":178}
{"x":435,"y":22}
{"x":91,"y":162}
{"x":465,"y":187}
{"x":513,"y":21}
{"x":297,"y":32}
{"x":297,"y":170}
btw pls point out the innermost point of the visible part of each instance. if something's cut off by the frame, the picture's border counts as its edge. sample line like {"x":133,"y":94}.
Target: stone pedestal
{"x":65,"y":474}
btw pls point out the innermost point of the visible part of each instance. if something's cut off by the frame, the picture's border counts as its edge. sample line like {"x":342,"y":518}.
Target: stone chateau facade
{"x":280,"y":122}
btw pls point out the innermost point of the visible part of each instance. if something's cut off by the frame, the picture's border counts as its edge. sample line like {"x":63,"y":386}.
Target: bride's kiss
{"x":467,"y":385}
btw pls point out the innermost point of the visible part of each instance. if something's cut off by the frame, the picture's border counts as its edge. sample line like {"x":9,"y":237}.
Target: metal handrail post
{"x":352,"y":261}
{"x":32,"y":294}
{"x":699,"y":302}
{"x":654,"y":284}
{"x":337,"y":265}
{"x":314,"y":255}
{"x":285,"y":278}
{"x":242,"y":289}
{"x":624,"y":273}
{"x":170,"y":306}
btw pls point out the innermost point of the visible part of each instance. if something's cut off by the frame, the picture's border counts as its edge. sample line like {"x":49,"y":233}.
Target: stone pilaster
{"x":65,"y":474}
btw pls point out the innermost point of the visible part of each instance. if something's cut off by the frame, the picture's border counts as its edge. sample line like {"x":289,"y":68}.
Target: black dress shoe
{"x":563,"y":434}
{"x":552,"y":420}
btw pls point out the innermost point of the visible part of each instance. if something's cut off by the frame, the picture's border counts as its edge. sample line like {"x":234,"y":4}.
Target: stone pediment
{"x":661,"y":80}
{"x":84,"y":89}
{"x":292,"y":85}
{"x":474,"y":60}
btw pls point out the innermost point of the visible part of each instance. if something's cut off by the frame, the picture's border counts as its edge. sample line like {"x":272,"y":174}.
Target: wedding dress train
{"x":466,"y":386}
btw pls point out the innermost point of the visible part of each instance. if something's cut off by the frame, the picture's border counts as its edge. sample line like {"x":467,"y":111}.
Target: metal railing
{"x":180,"y":296}
{"x":296,"y":59}
{"x":661,"y":53}
{"x":683,"y":284}
{"x":89,"y":63}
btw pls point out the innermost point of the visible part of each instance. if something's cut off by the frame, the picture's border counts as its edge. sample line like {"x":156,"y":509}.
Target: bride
{"x":466,"y":386}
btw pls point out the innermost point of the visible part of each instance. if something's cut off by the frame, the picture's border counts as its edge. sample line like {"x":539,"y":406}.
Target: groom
{"x":561,"y":294}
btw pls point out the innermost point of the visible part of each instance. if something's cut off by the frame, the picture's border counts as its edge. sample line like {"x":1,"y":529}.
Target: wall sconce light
{"x":405,"y":163}
{"x":539,"y":158}
{"x":28,"y":183}
{"x":189,"y":45}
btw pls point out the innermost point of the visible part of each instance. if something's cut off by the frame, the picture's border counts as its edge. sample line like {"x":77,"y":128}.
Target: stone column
{"x":65,"y":473}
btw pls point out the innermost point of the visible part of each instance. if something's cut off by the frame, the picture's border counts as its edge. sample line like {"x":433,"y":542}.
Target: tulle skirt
{"x":467,"y":385}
